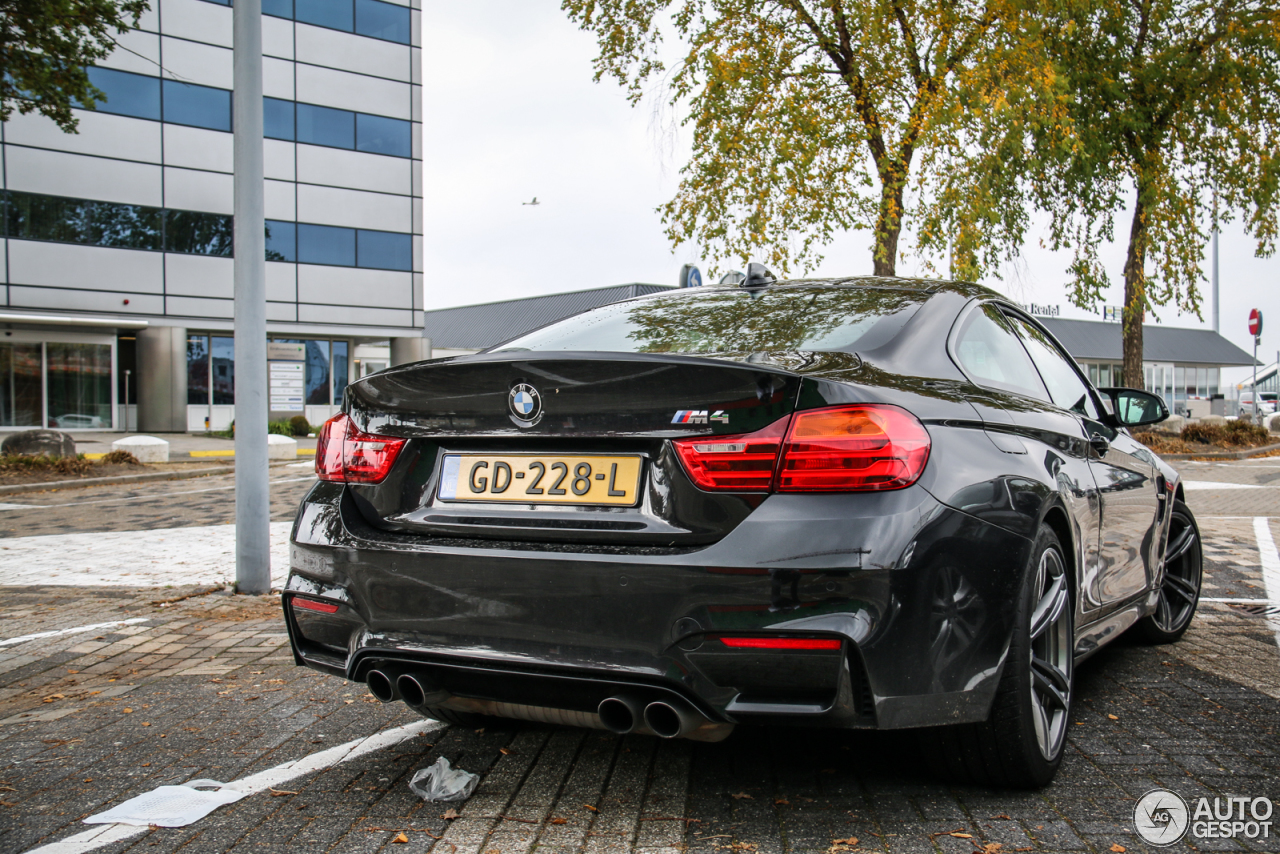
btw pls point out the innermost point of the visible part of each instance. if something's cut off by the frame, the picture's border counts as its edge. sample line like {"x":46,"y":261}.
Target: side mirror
{"x":1135,"y":408}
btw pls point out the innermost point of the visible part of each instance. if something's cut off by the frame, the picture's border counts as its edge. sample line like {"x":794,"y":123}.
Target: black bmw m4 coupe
{"x":859,"y":503}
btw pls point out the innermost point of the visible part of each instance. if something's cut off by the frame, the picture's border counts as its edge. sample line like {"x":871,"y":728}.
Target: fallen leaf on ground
{"x":991,"y":848}
{"x":741,"y":795}
{"x":401,"y":837}
{"x":52,"y":697}
{"x":1113,"y":717}
{"x":1118,"y":848}
{"x":959,"y":835}
{"x":147,"y":724}
{"x":593,"y":809}
{"x":782,"y":801}
{"x":505,"y":751}
{"x":280,"y":793}
{"x":559,"y":821}
{"x":450,"y":813}
{"x":852,"y":840}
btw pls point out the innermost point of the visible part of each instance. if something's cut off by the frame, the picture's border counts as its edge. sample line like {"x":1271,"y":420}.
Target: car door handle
{"x":1100,"y":444}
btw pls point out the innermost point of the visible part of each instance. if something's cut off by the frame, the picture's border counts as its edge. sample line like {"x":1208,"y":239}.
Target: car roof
{"x":897,"y":283}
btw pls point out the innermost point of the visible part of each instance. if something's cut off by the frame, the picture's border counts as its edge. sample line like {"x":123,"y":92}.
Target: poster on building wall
{"x":286,"y":379}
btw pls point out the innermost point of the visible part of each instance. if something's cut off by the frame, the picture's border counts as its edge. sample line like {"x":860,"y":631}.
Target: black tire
{"x":469,"y":720}
{"x":1021,"y":744}
{"x":1180,"y":581}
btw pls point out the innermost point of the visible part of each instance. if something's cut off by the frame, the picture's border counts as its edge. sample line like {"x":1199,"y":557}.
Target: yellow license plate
{"x":541,"y":479}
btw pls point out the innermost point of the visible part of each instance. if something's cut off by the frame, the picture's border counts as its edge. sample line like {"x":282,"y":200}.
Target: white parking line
{"x":1270,"y":566}
{"x":96,"y":838}
{"x":1194,"y":485}
{"x":76,"y":630}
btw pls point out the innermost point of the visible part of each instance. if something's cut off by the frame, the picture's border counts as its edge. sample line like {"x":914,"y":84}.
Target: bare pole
{"x":1213,"y":274}
{"x":253,"y":549}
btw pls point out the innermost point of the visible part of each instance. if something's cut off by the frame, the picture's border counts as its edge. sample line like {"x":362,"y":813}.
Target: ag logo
{"x":525,"y":403}
{"x":1161,"y":817}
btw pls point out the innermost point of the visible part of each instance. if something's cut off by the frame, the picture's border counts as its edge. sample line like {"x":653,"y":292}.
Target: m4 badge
{"x":700,"y":416}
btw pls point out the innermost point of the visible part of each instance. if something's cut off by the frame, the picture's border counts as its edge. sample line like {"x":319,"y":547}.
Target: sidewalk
{"x":182,"y":446}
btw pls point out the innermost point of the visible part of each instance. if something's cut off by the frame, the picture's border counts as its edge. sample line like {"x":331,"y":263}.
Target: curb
{"x":17,"y":488}
{"x":1223,"y":455}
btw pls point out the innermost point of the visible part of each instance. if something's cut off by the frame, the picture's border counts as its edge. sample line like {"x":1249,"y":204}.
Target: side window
{"x":1058,"y":372}
{"x":990,"y":352}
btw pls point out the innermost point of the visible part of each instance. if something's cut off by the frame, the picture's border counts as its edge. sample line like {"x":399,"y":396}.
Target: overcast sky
{"x":511,"y":113}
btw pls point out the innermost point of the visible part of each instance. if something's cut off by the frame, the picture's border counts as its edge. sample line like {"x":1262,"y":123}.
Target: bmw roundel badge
{"x":525,"y":403}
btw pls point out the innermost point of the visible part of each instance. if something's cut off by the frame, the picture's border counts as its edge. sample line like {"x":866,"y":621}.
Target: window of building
{"x":198,"y":106}
{"x":78,"y":379}
{"x":276,"y":8}
{"x":326,"y":126}
{"x":222,"y":370}
{"x":382,"y":21}
{"x":339,"y":371}
{"x":21,"y":386}
{"x":381,"y":135}
{"x":127,"y":94}
{"x":282,"y":240}
{"x":198,"y":233}
{"x":333,"y":14}
{"x":384,"y":250}
{"x":197,"y":370}
{"x":36,"y":217}
{"x":317,"y":381}
{"x":277,"y":119}
{"x":326,"y":244}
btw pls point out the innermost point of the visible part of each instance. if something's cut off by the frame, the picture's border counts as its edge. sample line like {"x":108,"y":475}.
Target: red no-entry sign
{"x":1255,"y":323}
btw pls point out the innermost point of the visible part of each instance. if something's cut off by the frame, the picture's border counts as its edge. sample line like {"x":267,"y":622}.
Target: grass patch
{"x":77,"y":465}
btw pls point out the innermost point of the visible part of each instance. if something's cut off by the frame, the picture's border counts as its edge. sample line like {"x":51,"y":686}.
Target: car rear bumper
{"x":916,"y":594}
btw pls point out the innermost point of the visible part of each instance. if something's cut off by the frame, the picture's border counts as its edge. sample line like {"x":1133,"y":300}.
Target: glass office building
{"x":117,"y":251}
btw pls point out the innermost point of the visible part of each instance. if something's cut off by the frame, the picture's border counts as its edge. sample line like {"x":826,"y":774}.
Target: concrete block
{"x":281,"y":447}
{"x":1213,"y":419}
{"x":38,"y":443}
{"x":1172,"y":424}
{"x":1273,"y":422}
{"x":148,"y":449}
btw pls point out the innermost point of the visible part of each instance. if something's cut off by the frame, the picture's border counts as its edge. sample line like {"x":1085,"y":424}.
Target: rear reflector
{"x":859,"y":448}
{"x":345,"y":454}
{"x":853,"y":449}
{"x":314,"y":605}
{"x":782,"y":643}
{"x":734,"y":463}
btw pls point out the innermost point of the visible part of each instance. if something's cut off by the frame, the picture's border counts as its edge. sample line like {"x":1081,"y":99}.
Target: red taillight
{"x":315,"y":605}
{"x":859,"y":448}
{"x":734,"y":463}
{"x":781,"y":643}
{"x":343,"y":453}
{"x":853,"y":449}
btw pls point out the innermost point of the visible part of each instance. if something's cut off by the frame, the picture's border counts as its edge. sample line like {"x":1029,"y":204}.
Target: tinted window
{"x":224,"y":371}
{"x":326,"y":126}
{"x":197,"y":370}
{"x":282,"y":241}
{"x":992,"y":355}
{"x":36,"y":217}
{"x":733,"y":320}
{"x":339,"y":371}
{"x":278,"y":8}
{"x":382,"y":21}
{"x":127,"y":94}
{"x":335,"y":14}
{"x":380,"y":135}
{"x":197,"y":233}
{"x":324,"y":244}
{"x":199,"y":106}
{"x":317,"y":372}
{"x":277,"y":118}
{"x":384,"y":250}
{"x":1059,"y":374}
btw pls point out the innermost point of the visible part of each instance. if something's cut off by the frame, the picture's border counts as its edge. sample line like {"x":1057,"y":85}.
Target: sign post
{"x":1255,"y":329}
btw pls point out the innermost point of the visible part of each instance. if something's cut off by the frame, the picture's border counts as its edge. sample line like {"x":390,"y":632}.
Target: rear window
{"x":733,"y":321}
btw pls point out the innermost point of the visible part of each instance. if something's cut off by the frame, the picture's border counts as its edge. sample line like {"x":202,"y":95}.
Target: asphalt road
{"x":139,"y":687}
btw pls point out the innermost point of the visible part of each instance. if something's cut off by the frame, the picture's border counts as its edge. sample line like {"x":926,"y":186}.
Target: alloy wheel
{"x":1180,"y":590}
{"x":1051,"y":654}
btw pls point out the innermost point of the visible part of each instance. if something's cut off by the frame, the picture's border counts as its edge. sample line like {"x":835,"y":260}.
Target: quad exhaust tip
{"x":381,"y":686}
{"x":412,"y":689}
{"x":621,"y":715}
{"x":672,"y":720}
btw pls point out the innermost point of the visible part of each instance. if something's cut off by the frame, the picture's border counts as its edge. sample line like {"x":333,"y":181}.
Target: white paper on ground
{"x":170,"y":806}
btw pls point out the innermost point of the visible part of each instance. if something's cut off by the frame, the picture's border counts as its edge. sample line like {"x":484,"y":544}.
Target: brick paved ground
{"x":204,"y":687}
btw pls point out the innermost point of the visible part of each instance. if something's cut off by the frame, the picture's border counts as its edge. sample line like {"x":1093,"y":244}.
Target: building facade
{"x":117,"y":256}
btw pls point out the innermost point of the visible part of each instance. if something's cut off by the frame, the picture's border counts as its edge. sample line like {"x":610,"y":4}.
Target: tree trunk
{"x":888,"y":227}
{"x":1135,"y":295}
